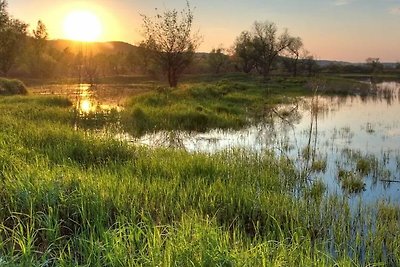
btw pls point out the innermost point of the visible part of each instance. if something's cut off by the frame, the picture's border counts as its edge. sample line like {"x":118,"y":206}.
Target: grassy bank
{"x":231,"y":101}
{"x":70,"y":198}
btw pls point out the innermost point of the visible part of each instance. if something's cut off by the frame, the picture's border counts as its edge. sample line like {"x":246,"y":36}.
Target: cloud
{"x":342,"y":2}
{"x":395,"y":10}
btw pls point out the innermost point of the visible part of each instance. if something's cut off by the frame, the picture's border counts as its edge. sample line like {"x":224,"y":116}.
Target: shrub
{"x":12,"y":87}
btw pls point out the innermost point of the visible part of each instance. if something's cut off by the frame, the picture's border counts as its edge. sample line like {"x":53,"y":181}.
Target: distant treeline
{"x":259,"y":51}
{"x":71,"y":59}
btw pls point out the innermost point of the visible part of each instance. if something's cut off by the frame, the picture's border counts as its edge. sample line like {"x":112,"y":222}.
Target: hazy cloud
{"x":395,"y":10}
{"x":341,"y":2}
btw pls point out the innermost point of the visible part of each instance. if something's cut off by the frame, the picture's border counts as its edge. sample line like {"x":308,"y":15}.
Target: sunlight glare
{"x":82,"y":26}
{"x":86,"y":106}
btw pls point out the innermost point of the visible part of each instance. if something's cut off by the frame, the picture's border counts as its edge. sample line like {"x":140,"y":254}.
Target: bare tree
{"x":171,"y":41}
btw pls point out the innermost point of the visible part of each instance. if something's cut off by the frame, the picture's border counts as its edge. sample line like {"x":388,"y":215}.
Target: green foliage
{"x":12,"y":37}
{"x":12,"y":87}
{"x":232,"y":102}
{"x":352,"y":182}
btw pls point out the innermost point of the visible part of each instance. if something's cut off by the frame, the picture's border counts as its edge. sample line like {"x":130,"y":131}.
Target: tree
{"x":268,"y":45}
{"x":374,"y":64}
{"x":217,"y":59}
{"x":13,"y":33}
{"x":171,"y":41}
{"x":294,"y":51}
{"x":244,"y":51}
{"x":261,"y":46}
{"x":37,"y":60}
{"x":40,"y":36}
{"x":308,"y":63}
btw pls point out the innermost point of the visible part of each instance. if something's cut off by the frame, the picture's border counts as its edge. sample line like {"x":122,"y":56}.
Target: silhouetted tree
{"x":13,"y":33}
{"x":293,"y":53}
{"x":40,"y":35}
{"x":374,"y":64}
{"x":217,"y":59}
{"x":261,"y":46}
{"x":39,"y":62}
{"x":170,"y":38}
{"x":268,"y":45}
{"x":244,"y":52}
{"x":308,"y":63}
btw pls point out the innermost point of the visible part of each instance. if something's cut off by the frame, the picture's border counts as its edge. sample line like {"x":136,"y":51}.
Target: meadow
{"x":72,"y":197}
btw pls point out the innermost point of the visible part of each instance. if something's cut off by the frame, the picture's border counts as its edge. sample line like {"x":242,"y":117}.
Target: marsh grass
{"x":226,"y":103}
{"x":70,"y":198}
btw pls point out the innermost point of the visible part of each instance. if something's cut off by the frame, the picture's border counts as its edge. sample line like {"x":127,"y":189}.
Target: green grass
{"x":71,"y":198}
{"x":200,"y":106}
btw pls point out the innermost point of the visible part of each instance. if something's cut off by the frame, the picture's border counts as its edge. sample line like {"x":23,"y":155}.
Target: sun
{"x":82,"y":26}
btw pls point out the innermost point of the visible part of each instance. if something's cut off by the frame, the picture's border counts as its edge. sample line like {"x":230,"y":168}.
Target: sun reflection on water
{"x":85,"y":102}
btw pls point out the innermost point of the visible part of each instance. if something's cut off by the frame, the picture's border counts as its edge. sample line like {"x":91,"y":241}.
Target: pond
{"x":351,"y":143}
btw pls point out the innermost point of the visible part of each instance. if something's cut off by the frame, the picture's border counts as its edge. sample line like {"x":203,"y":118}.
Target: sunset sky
{"x":349,"y":30}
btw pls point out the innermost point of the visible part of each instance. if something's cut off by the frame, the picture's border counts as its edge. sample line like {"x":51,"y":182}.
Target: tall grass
{"x":70,"y":198}
{"x":203,"y":106}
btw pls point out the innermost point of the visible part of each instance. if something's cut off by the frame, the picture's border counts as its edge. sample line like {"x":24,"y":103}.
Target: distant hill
{"x":324,"y":63}
{"x":92,"y":47}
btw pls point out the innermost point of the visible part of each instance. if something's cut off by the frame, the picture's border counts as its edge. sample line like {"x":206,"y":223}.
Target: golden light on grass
{"x":82,"y":25}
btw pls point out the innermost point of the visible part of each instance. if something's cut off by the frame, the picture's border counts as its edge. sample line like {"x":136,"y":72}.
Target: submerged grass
{"x":70,"y":198}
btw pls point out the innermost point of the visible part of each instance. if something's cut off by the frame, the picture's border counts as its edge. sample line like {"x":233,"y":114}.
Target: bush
{"x":12,"y":87}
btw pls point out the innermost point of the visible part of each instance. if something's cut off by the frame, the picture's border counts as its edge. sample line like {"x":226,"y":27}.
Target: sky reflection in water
{"x":344,"y":126}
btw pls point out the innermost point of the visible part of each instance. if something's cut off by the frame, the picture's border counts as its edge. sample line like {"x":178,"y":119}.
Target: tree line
{"x":168,"y":50}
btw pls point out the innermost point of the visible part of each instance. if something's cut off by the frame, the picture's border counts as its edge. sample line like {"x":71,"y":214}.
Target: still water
{"x":339,"y":131}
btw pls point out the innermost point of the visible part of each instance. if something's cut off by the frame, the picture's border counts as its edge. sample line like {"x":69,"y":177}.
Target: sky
{"x":347,"y":30}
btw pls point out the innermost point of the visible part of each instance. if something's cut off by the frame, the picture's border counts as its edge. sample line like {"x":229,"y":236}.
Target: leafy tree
{"x":261,"y":46}
{"x":308,"y":63}
{"x":294,"y":52}
{"x":13,"y":33}
{"x":268,"y":45}
{"x":171,"y":41}
{"x":39,"y":62}
{"x":244,"y":52}
{"x":217,"y":59}
{"x":374,"y":64}
{"x":40,"y":36}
